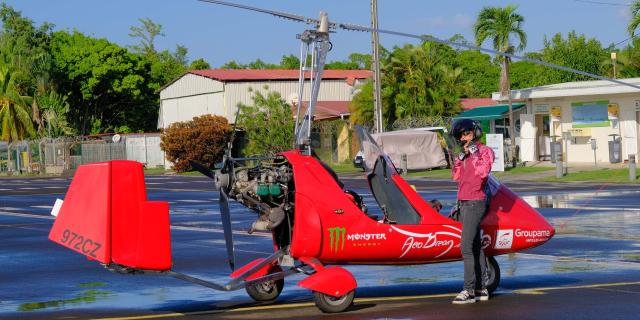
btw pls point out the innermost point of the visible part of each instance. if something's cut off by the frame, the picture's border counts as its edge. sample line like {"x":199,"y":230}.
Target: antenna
{"x":355,"y":27}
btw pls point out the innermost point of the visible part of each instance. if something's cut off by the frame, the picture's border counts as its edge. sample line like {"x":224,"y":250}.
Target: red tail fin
{"x":106,"y":216}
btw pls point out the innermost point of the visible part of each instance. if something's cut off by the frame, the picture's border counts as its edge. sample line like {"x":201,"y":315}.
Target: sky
{"x":220,"y":34}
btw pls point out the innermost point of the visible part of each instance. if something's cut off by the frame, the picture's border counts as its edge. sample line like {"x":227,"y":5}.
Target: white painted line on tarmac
{"x":182,"y":228}
{"x":193,"y":201}
{"x":26,"y":215}
{"x":28,"y":188}
{"x":42,"y":207}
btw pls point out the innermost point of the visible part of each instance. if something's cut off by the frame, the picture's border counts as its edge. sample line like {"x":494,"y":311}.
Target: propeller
{"x":202,"y":169}
{"x":226,"y":226}
{"x":225,"y":213}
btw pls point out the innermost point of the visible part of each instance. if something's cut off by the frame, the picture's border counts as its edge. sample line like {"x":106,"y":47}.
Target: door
{"x":637,"y":134}
{"x":527,"y":137}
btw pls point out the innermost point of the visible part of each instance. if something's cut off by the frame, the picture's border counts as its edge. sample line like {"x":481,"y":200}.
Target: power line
{"x":605,"y":3}
{"x":354,"y":27}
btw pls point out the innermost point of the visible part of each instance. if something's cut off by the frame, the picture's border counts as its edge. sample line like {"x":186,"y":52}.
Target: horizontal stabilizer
{"x":106,"y":216}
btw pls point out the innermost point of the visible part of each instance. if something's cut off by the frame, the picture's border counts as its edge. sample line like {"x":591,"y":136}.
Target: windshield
{"x":394,"y":204}
{"x":372,"y":152}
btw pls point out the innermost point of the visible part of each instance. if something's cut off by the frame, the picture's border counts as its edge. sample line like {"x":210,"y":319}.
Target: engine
{"x":268,"y":190}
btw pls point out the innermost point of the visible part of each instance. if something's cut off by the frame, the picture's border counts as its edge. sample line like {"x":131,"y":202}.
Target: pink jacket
{"x":472,"y":172}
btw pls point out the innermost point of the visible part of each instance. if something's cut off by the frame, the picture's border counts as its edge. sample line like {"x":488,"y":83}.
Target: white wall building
{"x":575,"y":113}
{"x":219,"y":91}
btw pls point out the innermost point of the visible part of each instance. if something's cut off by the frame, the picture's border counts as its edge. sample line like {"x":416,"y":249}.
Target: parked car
{"x":358,"y":161}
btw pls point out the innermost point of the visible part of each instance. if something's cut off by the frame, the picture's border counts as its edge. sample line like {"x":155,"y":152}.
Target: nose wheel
{"x":331,"y":304}
{"x":265,"y":291}
{"x":493,"y":274}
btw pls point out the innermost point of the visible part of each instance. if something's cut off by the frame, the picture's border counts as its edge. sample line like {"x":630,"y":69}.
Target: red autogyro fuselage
{"x":331,"y":227}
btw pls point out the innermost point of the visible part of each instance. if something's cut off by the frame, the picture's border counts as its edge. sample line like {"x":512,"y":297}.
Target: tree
{"x":635,"y":18}
{"x":202,"y":139}
{"x":577,"y":52}
{"x":268,"y":124}
{"x":290,"y":62}
{"x":147,"y":34}
{"x":54,"y":108}
{"x":479,"y":69}
{"x":109,"y":89}
{"x":199,"y":64}
{"x":21,"y":45}
{"x":15,"y":118}
{"x":499,"y":24}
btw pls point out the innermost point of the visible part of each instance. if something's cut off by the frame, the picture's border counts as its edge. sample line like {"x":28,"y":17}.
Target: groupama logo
{"x":336,"y":237}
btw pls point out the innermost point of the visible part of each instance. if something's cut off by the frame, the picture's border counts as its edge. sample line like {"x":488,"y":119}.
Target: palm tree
{"x":499,"y":24}
{"x":15,"y":118}
{"x":635,"y":19}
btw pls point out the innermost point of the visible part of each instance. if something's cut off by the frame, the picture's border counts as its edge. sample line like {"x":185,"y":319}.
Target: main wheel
{"x":493,"y":274}
{"x":265,"y":291}
{"x":330,"y":304}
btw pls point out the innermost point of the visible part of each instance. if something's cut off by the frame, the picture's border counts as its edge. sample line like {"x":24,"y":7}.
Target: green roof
{"x":489,"y":112}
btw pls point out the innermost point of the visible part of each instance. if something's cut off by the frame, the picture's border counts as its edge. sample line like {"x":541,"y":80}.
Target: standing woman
{"x":471,"y":169}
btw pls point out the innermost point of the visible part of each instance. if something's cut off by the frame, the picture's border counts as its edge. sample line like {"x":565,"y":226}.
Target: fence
{"x":54,"y":156}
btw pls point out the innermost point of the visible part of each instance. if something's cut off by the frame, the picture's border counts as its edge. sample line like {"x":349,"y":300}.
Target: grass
{"x":522,"y":170}
{"x":600,"y":175}
{"x":154,"y":170}
{"x":446,"y":173}
{"x":344,"y":168}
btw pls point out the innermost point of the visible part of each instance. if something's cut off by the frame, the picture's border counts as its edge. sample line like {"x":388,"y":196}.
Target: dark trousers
{"x":475,"y":263}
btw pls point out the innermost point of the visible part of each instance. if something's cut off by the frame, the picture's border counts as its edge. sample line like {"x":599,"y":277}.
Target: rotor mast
{"x":318,"y":41}
{"x":375,"y":43}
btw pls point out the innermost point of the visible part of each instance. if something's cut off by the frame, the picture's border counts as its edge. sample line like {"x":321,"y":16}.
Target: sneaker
{"x":464,"y":297}
{"x":482,"y":295}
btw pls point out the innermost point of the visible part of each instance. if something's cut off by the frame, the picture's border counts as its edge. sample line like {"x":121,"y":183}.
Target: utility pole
{"x":375,"y":43}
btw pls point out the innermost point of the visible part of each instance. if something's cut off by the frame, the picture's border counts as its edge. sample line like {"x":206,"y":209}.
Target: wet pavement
{"x":594,"y":257}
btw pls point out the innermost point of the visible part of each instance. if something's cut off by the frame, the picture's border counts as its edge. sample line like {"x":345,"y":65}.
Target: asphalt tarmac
{"x":589,"y":270}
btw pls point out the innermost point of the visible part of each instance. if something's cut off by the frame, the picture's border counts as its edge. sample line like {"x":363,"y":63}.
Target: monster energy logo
{"x":336,"y":235}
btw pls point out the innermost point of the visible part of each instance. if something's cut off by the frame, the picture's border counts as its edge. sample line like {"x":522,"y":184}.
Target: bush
{"x":268,"y":125}
{"x":203,"y":140}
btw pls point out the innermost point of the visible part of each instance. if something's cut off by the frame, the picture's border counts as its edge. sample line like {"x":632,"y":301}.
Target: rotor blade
{"x":354,"y":27}
{"x":225,"y":215}
{"x":202,"y":169}
{"x":278,"y":14}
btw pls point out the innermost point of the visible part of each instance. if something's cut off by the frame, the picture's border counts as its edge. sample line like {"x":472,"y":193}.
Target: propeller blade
{"x":202,"y":169}
{"x":226,"y":226}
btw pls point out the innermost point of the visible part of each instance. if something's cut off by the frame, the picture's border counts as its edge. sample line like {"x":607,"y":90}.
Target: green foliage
{"x":199,"y":64}
{"x":499,"y":24}
{"x":203,"y":140}
{"x":361,"y":106}
{"x":54,"y":108}
{"x":635,"y":18}
{"x":107,"y":86}
{"x":15,"y":118}
{"x":577,"y":52}
{"x":147,"y":34}
{"x":480,"y":70}
{"x":268,"y":124}
{"x":22,"y":44}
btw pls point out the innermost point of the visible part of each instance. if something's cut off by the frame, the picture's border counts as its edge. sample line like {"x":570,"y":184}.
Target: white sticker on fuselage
{"x":504,"y":239}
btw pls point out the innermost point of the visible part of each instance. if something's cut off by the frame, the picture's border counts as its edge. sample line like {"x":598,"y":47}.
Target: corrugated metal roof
{"x":327,"y":109}
{"x":470,"y":103}
{"x":276,"y":74}
{"x":576,"y":88}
